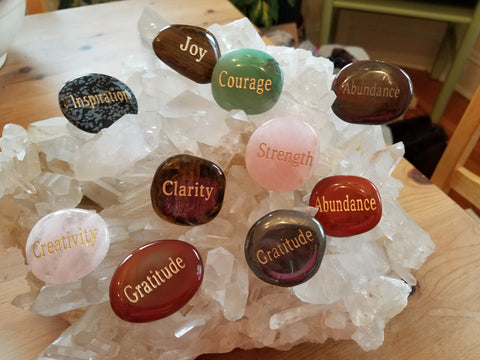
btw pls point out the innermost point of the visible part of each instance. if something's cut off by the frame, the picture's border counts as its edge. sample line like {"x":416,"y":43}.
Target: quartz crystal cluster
{"x":363,"y":281}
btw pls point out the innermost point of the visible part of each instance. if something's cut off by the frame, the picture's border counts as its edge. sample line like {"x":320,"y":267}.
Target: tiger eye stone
{"x":188,"y":190}
{"x":371,"y":92}
{"x":247,"y":79}
{"x":190,"y":50}
{"x":94,"y":102}
{"x":155,"y":280}
{"x":66,"y":245}
{"x":347,"y":205}
{"x":282,"y":153}
{"x":285,"y":247}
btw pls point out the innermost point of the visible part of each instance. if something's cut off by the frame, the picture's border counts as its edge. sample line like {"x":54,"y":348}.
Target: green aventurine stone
{"x":247,"y":79}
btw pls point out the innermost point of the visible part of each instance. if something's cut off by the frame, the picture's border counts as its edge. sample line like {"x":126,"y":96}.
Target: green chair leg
{"x":326,"y":21}
{"x":457,"y":66}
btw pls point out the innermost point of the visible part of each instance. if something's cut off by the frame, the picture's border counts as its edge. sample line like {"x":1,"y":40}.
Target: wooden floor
{"x":426,"y":91}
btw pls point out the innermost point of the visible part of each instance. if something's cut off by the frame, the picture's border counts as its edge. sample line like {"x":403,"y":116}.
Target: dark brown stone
{"x":371,"y":92}
{"x":190,"y":50}
{"x":188,"y":190}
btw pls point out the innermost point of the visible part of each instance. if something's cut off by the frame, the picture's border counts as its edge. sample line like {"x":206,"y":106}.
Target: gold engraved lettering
{"x":93,"y":100}
{"x":346,"y":204}
{"x":242,"y":82}
{"x":153,"y":280}
{"x":268,"y":153}
{"x":172,"y":188}
{"x":284,"y":246}
{"x":67,"y":241}
{"x":193,"y":49}
{"x":374,"y":90}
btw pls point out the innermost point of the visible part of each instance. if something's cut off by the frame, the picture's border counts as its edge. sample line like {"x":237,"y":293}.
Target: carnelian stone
{"x":188,"y":190}
{"x":347,"y":205}
{"x":155,"y":280}
{"x":285,"y":247}
{"x":371,"y":92}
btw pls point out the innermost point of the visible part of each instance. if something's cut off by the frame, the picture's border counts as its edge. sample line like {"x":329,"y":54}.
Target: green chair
{"x":453,"y":12}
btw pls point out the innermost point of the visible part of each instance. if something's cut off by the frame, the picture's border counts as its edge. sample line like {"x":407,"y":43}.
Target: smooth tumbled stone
{"x":155,"y":280}
{"x":247,"y":79}
{"x":93,"y":102}
{"x":67,"y":245}
{"x":285,"y":247}
{"x":190,"y":50}
{"x":371,"y":92}
{"x":347,"y":205}
{"x":188,"y":190}
{"x":282,"y":153}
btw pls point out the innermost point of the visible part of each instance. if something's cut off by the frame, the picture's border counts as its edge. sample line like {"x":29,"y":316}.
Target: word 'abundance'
{"x":373,"y":90}
{"x":346,"y":204}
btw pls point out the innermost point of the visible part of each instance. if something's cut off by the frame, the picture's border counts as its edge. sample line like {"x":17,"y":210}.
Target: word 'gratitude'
{"x":155,"y":279}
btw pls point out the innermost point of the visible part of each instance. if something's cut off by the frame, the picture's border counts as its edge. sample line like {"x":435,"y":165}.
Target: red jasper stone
{"x":190,"y":50}
{"x":371,"y":92}
{"x":155,"y":280}
{"x":187,"y":190}
{"x":347,"y":205}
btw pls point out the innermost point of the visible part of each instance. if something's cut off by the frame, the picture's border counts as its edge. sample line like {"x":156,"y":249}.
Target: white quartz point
{"x":66,"y":245}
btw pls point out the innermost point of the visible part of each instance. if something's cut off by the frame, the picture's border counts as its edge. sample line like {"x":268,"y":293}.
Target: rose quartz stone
{"x":67,"y":245}
{"x":282,"y":153}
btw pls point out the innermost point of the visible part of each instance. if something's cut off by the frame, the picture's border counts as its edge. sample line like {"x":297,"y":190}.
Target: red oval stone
{"x":371,"y":92}
{"x":155,"y":280}
{"x":347,"y":205}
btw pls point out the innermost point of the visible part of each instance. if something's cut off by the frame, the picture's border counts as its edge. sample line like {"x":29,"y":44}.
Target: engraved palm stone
{"x":188,"y":190}
{"x":190,"y":50}
{"x":371,"y":92}
{"x":93,"y":102}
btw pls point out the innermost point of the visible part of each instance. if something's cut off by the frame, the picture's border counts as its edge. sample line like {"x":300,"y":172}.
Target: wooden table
{"x":442,"y":319}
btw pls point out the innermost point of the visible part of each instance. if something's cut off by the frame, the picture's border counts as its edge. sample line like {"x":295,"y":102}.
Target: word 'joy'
{"x":193,"y":49}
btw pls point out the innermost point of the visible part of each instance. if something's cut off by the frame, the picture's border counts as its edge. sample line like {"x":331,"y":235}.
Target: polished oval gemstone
{"x":285,"y":247}
{"x":190,"y":50}
{"x":67,"y":245}
{"x":371,"y":92}
{"x":155,"y":280}
{"x":282,"y":153}
{"x":247,"y":79}
{"x":347,"y":205}
{"x":93,"y":102}
{"x":188,"y":190}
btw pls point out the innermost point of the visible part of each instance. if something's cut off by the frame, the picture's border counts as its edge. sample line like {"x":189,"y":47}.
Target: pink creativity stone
{"x":67,"y":245}
{"x":282,"y":153}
